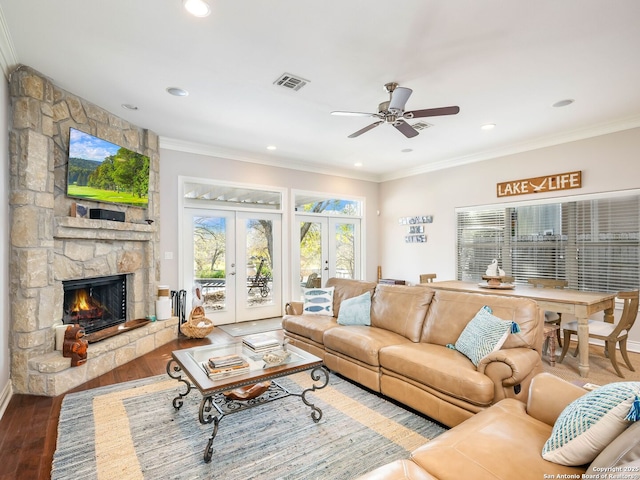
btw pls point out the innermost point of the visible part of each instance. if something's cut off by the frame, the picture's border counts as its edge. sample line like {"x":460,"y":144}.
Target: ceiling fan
{"x":392,"y":111}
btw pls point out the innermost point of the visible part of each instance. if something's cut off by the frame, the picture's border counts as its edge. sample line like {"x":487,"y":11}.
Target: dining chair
{"x":313,"y":281}
{"x":554,"y":318}
{"x":427,"y":277}
{"x":609,"y":332}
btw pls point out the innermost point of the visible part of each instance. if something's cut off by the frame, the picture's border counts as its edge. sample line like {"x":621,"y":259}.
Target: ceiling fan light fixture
{"x":197,"y":8}
{"x":177,"y":92}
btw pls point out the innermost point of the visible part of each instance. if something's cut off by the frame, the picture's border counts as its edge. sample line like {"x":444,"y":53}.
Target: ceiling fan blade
{"x":432,"y":112}
{"x":365,"y":129}
{"x":354,"y":114}
{"x":406,"y":129}
{"x":399,"y":98}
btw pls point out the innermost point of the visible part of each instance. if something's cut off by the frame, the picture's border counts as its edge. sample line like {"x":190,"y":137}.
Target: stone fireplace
{"x":50,"y":249}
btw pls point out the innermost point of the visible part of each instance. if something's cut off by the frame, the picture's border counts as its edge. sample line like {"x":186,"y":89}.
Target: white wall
{"x":174,"y":164}
{"x":608,"y":163}
{"x":5,"y":385}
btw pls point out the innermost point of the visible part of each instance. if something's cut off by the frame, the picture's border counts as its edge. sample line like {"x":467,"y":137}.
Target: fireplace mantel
{"x":90,"y":229}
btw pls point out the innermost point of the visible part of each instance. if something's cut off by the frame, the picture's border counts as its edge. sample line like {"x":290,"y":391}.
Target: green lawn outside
{"x":99,"y":195}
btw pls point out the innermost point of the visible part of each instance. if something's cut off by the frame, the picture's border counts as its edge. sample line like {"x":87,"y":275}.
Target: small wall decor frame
{"x":415,"y":220}
{"x":415,"y":239}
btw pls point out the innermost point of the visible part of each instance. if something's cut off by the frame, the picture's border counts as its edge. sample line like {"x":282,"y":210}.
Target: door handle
{"x":232,"y":273}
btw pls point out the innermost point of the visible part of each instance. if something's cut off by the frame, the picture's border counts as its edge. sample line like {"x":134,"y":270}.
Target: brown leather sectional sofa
{"x":505,"y":441}
{"x":404,"y":353}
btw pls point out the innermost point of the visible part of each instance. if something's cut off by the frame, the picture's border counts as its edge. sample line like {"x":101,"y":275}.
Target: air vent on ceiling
{"x":290,"y":82}
{"x":421,"y":126}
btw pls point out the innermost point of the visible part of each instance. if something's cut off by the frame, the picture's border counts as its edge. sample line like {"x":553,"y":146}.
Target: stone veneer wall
{"x":48,"y":246}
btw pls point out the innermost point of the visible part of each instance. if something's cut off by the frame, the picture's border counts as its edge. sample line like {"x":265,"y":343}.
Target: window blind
{"x":594,"y":244}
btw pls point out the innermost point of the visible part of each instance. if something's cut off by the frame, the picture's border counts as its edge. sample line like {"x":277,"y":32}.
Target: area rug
{"x":131,"y":431}
{"x":601,"y":371}
{"x":256,"y":326}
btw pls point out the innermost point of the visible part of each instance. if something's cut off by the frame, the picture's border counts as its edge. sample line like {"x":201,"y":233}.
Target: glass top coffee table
{"x":233,"y":393}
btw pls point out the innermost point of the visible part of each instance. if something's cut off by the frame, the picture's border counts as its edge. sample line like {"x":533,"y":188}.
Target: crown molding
{"x":542,"y":142}
{"x":8,"y":57}
{"x":228,"y":154}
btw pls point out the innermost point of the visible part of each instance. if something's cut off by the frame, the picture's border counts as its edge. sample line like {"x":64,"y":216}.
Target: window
{"x":593,"y":242}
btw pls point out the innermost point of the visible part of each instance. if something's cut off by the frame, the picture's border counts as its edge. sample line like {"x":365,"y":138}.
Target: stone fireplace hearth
{"x":48,"y":246}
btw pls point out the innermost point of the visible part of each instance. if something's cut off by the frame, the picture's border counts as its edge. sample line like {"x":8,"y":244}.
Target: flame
{"x":83,"y":302}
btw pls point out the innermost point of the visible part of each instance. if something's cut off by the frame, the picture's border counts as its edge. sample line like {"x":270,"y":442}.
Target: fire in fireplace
{"x":95,"y":303}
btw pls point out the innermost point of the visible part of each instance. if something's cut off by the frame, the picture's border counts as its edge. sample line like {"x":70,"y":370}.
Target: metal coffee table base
{"x":224,"y":406}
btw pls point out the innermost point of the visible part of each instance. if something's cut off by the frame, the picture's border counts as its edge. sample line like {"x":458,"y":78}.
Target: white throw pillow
{"x":590,"y":423}
{"x":318,"y":301}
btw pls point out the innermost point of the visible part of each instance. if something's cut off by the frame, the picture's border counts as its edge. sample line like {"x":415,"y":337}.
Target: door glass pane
{"x":259,"y":261}
{"x":345,"y":250}
{"x":209,"y":247}
{"x":310,"y":252}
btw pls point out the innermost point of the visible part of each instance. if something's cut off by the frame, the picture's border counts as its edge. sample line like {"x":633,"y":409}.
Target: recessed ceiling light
{"x":197,"y":8}
{"x":488,"y":126}
{"x":128,"y":106}
{"x":271,"y":147}
{"x":357,"y":164}
{"x":563,"y":103}
{"x":178,"y":92}
{"x":407,"y":150}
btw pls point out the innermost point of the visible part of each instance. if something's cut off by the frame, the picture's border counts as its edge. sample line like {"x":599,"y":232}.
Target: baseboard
{"x":631,"y":346}
{"x":5,"y":397}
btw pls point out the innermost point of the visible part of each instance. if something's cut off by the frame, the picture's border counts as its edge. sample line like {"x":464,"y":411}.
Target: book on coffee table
{"x":261,"y":343}
{"x":228,"y":371}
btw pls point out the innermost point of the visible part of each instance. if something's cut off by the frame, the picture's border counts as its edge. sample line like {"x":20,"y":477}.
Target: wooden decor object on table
{"x":75,"y":345}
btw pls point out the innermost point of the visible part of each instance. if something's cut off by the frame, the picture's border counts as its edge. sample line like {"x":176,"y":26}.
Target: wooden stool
{"x":549,"y":334}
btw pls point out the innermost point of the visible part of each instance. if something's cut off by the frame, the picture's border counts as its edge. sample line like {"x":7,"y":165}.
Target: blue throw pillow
{"x":484,"y":334}
{"x":356,"y":310}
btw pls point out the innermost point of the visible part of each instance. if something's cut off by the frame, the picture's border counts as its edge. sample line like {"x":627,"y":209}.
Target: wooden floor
{"x":28,"y":428}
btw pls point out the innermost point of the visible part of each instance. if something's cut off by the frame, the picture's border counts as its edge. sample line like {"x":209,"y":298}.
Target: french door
{"x":234,"y":259}
{"x":327,"y":247}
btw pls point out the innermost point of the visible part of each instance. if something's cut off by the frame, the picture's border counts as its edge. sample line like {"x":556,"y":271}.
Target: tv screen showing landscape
{"x":104,"y":172}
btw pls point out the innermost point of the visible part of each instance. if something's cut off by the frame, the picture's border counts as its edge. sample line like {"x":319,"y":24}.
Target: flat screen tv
{"x":104,"y":172}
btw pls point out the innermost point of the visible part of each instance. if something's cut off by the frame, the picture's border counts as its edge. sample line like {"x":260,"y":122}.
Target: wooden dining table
{"x":581,"y":305}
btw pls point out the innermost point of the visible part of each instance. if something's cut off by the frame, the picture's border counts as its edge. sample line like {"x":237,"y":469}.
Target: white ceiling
{"x":502,"y":62}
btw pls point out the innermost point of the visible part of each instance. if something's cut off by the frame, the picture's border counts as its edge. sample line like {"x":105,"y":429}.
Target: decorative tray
{"x":502,"y":286}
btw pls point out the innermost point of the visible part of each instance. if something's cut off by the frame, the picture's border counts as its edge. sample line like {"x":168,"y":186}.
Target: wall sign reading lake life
{"x":548,"y":183}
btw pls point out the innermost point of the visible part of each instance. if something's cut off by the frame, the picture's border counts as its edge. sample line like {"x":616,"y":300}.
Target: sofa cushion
{"x":450,"y":312}
{"x":499,"y":443}
{"x":347,"y":288}
{"x":309,"y":326}
{"x":400,"y":309}
{"x":318,"y":301}
{"x":439,"y":368}
{"x":588,"y":424}
{"x":356,"y":310}
{"x":484,"y":334}
{"x":361,"y":342}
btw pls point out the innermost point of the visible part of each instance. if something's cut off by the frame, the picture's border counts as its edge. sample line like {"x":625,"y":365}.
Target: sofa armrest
{"x":549,"y":395}
{"x":293,"y":308}
{"x":510,"y":366}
